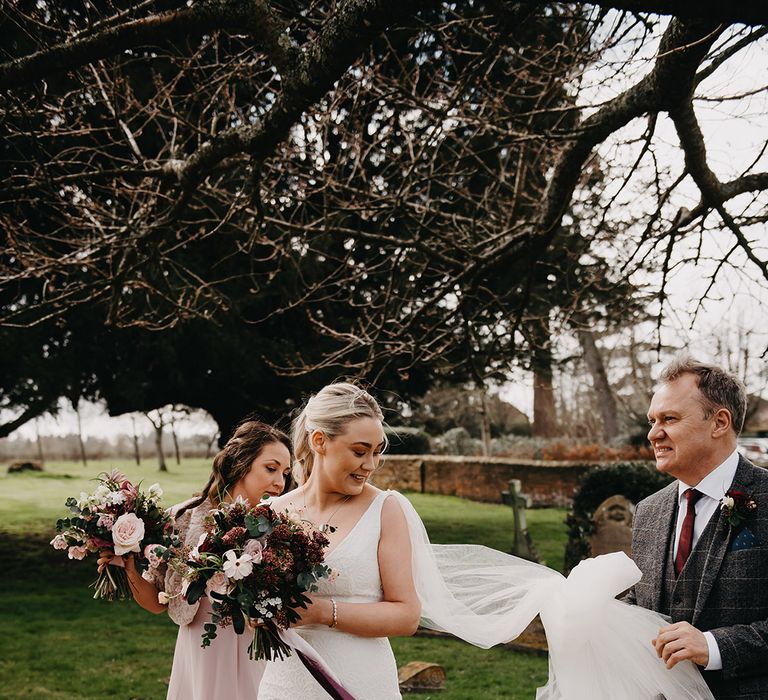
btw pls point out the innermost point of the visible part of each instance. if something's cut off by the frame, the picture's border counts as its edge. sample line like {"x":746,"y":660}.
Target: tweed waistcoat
{"x":679,"y":593}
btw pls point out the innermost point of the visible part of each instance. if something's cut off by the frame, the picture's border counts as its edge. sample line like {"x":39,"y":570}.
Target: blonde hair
{"x":328,"y":411}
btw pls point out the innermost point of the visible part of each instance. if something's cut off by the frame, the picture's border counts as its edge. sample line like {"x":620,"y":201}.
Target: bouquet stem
{"x":267,"y":645}
{"x":112,"y":584}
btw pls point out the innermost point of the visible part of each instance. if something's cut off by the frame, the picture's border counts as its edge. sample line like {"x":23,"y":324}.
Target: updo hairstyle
{"x":329,"y":411}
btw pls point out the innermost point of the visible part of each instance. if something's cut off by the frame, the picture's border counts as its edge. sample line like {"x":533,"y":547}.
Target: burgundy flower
{"x":234,"y":537}
{"x":737,"y":506}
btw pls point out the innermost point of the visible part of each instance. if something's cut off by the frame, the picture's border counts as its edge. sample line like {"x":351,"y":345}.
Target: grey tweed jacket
{"x":723,"y":587}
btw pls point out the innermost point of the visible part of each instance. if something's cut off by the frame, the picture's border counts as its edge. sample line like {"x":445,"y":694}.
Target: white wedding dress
{"x":599,"y":647}
{"x":365,"y":666}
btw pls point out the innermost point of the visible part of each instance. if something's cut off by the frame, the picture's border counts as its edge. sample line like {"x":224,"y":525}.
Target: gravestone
{"x":522,"y":544}
{"x":421,"y":677}
{"x":613,"y":526}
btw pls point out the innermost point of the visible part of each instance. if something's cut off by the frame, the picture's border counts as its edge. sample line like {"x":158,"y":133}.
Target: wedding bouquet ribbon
{"x":314,"y":663}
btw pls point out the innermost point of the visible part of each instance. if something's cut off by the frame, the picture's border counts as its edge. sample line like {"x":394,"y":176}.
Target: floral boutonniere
{"x":737,"y":506}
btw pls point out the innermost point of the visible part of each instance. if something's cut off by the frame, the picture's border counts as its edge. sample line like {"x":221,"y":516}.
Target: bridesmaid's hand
{"x":108,"y":558}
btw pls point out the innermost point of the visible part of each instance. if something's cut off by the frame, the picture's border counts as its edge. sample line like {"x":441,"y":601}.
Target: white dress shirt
{"x":712,"y":487}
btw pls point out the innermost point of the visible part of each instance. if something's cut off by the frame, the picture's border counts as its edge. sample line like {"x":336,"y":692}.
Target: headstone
{"x":613,"y":526}
{"x":421,"y":677}
{"x":522,"y":544}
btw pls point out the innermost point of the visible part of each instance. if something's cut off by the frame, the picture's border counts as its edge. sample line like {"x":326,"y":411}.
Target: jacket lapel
{"x":715,"y":539}
{"x":667,"y":518}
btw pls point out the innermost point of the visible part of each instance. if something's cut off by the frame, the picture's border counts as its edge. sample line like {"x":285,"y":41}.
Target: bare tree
{"x":80,"y":441}
{"x":136,"y":454}
{"x":412,"y":169}
{"x":158,"y":423}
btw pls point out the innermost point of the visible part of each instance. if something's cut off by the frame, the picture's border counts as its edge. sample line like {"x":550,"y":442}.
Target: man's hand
{"x":681,"y":641}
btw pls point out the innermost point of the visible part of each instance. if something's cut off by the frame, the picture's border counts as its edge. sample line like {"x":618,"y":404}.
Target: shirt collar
{"x":717,"y":482}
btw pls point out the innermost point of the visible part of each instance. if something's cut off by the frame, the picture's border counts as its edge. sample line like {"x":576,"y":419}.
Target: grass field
{"x":58,"y":643}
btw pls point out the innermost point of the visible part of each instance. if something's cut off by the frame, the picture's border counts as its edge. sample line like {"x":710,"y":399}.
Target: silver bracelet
{"x":335,"y":620}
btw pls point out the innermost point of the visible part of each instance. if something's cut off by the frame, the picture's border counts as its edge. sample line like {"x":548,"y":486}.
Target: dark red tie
{"x":686,"y":534}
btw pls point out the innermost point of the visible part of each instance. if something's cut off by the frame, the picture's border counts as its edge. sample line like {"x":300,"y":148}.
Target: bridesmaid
{"x":255,"y":461}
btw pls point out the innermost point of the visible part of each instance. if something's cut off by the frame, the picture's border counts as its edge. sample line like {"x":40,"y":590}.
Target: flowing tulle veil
{"x":599,"y":647}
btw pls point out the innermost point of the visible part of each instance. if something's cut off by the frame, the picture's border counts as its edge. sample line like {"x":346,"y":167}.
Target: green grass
{"x":58,"y":643}
{"x":35,"y":500}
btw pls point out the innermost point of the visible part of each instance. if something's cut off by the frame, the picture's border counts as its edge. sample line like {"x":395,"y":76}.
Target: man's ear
{"x":723,"y":423}
{"x":317,"y":440}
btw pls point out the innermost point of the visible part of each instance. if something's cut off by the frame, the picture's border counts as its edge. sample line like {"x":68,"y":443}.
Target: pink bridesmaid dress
{"x":221,"y":671}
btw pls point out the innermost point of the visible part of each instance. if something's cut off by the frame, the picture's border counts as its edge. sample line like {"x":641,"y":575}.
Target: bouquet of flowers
{"x":256,"y":565}
{"x":116,"y":516}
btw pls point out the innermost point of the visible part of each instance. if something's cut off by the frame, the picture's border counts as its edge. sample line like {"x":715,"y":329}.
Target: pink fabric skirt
{"x":221,"y":671}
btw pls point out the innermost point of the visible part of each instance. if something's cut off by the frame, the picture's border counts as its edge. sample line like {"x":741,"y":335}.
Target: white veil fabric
{"x":599,"y":647}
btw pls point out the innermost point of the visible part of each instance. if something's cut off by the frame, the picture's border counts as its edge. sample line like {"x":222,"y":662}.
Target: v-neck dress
{"x":365,"y":666}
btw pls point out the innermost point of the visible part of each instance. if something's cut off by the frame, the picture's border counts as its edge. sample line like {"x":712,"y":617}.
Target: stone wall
{"x":482,"y":479}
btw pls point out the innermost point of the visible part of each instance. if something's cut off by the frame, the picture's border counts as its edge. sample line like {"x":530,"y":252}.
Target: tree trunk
{"x":544,"y":411}
{"x":605,"y":397}
{"x":158,"y":426}
{"x":209,"y":447}
{"x":175,"y":441}
{"x":40,"y":457}
{"x":159,"y":447}
{"x":485,"y":423}
{"x":136,"y":454}
{"x":76,"y":406}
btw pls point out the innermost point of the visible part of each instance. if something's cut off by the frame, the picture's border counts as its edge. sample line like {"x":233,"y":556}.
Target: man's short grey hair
{"x":718,"y":388}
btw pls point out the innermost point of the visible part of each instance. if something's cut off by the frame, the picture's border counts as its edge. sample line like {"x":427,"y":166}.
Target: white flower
{"x":127,"y":533}
{"x":115,"y":497}
{"x":147,"y":575}
{"x":163,"y":598}
{"x":237,"y":567}
{"x":59,"y":542}
{"x":100,"y":494}
{"x":154,"y":492}
{"x":194,"y":554}
{"x":727,"y":502}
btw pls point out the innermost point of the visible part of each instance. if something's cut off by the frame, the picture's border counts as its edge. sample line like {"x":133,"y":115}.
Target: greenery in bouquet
{"x":117,"y":516}
{"x":256,"y":565}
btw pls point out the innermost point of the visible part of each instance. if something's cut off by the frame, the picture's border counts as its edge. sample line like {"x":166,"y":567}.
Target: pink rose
{"x":77,"y":552}
{"x":151,"y":556}
{"x":254,"y":548}
{"x":59,"y":542}
{"x":127,"y":533}
{"x":217,"y":583}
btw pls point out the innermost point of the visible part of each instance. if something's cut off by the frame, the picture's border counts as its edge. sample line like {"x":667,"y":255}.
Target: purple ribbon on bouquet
{"x":314,"y":663}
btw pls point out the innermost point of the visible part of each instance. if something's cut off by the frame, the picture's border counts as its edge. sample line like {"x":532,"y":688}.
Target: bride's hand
{"x":319,"y":611}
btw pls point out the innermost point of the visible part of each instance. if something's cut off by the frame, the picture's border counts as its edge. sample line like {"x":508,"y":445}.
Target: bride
{"x":338,"y":441}
{"x":390,"y":579}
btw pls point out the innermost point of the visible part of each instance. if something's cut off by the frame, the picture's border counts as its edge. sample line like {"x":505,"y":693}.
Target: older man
{"x":702,"y":542}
